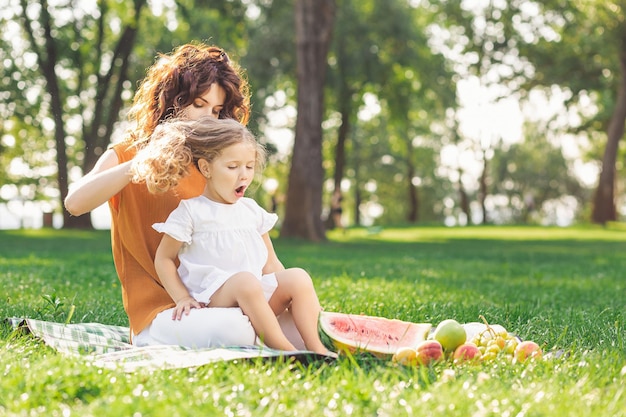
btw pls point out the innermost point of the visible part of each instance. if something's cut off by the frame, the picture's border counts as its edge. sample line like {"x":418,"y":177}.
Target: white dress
{"x":219,"y":240}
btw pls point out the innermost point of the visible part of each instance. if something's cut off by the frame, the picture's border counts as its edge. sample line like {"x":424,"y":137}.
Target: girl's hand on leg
{"x":183,"y":306}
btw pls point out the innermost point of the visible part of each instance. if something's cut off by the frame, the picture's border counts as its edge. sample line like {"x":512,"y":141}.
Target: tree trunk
{"x":94,"y":143}
{"x":463,"y":198}
{"x":106,"y":113}
{"x":303,"y":209}
{"x":358,"y":168}
{"x":413,"y":212}
{"x":109,"y":93}
{"x":604,"y":197}
{"x":357,"y":204}
{"x":482,"y":193}
{"x":340,"y":154}
{"x":47,"y":58}
{"x":340,"y":149}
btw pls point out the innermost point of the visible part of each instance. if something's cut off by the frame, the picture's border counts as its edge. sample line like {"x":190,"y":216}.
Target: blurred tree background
{"x":395,"y":104}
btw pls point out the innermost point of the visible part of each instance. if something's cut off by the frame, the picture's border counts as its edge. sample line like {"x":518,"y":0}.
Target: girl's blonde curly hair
{"x":177,"y":144}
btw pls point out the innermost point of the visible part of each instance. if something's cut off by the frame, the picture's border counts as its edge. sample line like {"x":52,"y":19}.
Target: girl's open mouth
{"x":239,"y":191}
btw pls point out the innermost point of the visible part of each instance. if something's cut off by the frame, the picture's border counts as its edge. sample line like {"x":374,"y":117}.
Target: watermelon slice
{"x":379,"y":336}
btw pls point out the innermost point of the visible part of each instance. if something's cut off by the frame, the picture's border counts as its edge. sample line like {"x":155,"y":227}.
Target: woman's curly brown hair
{"x":177,"y":79}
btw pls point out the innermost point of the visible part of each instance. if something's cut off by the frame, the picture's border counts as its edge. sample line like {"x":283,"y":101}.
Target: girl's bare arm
{"x":273,"y":263}
{"x":165,"y":264}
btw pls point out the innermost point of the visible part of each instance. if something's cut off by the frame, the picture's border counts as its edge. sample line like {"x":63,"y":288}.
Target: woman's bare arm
{"x":106,"y":179}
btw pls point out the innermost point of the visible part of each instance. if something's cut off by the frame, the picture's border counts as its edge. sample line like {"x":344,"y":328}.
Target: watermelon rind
{"x":379,"y":336}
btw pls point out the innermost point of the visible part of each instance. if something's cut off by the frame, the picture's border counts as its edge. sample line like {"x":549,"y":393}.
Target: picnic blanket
{"x":108,"y":346}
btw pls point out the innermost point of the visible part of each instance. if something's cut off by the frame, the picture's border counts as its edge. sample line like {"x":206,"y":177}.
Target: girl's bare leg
{"x":244,"y":290}
{"x":295,"y":291}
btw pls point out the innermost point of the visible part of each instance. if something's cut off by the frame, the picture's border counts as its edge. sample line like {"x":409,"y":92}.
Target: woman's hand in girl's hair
{"x":184,"y":306}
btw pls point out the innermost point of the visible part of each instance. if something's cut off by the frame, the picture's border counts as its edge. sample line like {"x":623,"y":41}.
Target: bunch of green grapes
{"x":492,"y":343}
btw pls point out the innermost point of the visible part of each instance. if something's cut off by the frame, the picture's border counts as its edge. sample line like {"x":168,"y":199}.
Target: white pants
{"x":210,"y":327}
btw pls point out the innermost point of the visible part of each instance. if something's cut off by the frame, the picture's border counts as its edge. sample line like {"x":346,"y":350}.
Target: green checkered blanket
{"x":82,"y":338}
{"x":109,"y":346}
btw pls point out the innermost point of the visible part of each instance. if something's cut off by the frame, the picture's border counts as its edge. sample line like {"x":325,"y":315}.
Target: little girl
{"x":221,"y":237}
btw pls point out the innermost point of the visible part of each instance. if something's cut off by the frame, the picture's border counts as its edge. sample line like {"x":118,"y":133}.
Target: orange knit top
{"x":134,"y":242}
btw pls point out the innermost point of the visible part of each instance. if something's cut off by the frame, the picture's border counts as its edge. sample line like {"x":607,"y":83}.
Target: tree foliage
{"x":375,"y":112}
{"x":529,"y":174}
{"x":582,"y":47}
{"x":73,"y":70}
{"x":381,"y":51}
{"x":579,"y":46}
{"x":74,"y":65}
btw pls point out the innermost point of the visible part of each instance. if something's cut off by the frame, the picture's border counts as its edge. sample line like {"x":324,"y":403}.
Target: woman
{"x":194,"y":81}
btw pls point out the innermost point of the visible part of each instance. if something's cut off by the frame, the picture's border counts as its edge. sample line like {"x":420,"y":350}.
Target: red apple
{"x":429,"y":351}
{"x":467,"y":352}
{"x":527,"y":350}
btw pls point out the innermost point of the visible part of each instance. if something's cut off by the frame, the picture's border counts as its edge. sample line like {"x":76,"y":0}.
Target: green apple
{"x":450,"y":334}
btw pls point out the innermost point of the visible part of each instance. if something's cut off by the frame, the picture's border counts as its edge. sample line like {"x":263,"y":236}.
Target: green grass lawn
{"x":561,"y":287}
